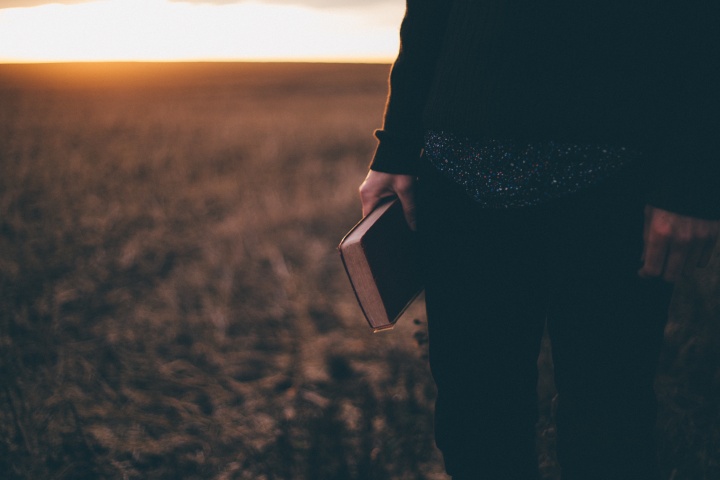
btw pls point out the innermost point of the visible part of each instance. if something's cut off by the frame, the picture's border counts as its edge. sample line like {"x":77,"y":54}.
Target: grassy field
{"x":172,"y":304}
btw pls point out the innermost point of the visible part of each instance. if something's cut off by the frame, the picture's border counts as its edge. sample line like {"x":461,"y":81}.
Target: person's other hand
{"x":675,"y":244}
{"x":379,"y":185}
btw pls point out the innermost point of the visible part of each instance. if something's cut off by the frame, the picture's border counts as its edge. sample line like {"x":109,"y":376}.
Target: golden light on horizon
{"x":160,"y":30}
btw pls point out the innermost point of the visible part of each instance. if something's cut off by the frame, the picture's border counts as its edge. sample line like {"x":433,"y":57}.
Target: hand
{"x":675,"y":244}
{"x":379,"y":185}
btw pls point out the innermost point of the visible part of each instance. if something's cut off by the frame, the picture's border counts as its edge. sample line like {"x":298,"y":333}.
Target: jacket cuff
{"x":686,"y":181}
{"x":396,"y":155}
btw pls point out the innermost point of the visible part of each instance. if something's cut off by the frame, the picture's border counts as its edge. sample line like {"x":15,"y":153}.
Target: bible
{"x":380,"y":257}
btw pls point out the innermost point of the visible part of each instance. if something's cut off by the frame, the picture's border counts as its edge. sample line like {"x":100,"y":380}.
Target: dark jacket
{"x":635,"y":73}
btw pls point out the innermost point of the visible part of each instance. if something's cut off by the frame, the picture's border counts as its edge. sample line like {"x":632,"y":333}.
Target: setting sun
{"x":162,"y":30}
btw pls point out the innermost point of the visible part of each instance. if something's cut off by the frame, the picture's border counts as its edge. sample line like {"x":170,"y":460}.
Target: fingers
{"x":655,"y":253}
{"x":407,"y":199}
{"x":676,"y":244}
{"x":370,"y":202}
{"x":378,"y":186}
{"x":706,"y":252}
{"x":677,"y":258}
{"x":700,"y":255}
{"x":373,"y":190}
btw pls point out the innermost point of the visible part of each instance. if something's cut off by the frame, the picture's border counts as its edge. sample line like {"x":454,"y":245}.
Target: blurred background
{"x":174,"y":179}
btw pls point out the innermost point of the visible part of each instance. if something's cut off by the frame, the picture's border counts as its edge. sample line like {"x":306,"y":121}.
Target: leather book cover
{"x":380,"y":255}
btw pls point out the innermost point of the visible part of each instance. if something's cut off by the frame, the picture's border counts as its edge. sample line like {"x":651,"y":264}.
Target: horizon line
{"x":360,"y":60}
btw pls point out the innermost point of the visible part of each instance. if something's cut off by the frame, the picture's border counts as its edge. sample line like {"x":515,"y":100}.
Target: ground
{"x":172,"y":304}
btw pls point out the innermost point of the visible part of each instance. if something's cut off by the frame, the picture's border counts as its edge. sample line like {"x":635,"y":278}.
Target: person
{"x":559,"y":161}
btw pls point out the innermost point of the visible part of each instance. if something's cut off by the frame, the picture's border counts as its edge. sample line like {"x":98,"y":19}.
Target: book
{"x":380,"y":255}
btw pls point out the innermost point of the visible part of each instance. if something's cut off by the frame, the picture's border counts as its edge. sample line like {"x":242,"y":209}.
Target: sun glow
{"x":160,"y":30}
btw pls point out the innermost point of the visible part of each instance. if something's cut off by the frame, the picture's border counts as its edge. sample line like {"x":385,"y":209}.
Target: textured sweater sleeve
{"x":685,"y":166}
{"x":401,"y":137}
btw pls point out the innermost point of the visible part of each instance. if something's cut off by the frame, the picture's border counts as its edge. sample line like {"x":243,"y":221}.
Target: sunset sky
{"x":90,"y":30}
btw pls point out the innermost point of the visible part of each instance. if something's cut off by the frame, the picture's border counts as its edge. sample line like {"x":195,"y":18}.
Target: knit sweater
{"x":638,"y":73}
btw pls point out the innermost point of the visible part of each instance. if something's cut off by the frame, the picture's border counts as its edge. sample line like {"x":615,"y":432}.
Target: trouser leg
{"x":606,"y":326}
{"x":485,"y":302}
{"x":488,"y":277}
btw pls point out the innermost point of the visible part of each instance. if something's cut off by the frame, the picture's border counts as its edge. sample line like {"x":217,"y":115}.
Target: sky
{"x":206,"y":30}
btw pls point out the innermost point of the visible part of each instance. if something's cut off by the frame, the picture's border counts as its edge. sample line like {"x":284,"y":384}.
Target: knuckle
{"x":684,"y":238}
{"x":652,"y":272}
{"x":663,"y":232}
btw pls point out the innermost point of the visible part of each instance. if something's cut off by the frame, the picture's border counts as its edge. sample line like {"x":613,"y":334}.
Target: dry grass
{"x":172,"y":305}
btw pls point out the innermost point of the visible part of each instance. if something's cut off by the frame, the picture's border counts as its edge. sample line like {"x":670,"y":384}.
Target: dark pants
{"x":494,"y":277}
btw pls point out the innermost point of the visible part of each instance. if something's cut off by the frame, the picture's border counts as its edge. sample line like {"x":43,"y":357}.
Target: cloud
{"x":35,"y":3}
{"x":304,"y":3}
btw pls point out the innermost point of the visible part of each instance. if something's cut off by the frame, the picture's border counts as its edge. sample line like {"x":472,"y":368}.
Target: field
{"x":172,"y":304}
